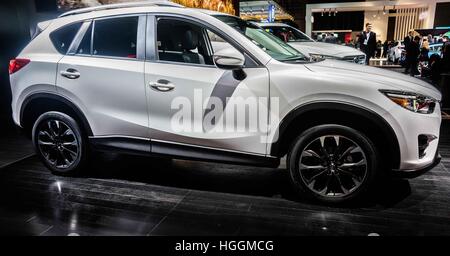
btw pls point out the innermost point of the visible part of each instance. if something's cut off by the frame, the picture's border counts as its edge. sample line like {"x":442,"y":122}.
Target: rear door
{"x":103,"y":74}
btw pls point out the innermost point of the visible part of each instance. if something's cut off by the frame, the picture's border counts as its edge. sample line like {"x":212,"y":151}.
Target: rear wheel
{"x":60,"y":144}
{"x":332,"y":163}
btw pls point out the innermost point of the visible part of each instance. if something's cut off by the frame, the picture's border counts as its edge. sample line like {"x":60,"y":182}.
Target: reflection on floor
{"x":124,"y":195}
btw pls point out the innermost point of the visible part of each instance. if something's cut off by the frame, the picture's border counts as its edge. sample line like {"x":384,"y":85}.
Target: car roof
{"x":148,"y":3}
{"x":210,"y":12}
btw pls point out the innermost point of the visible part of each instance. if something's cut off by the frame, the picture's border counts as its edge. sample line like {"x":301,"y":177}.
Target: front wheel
{"x":59,"y":143}
{"x":332,"y":163}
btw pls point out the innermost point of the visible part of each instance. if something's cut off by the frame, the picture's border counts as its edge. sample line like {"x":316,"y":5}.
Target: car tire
{"x":333,"y":164}
{"x":60,"y":143}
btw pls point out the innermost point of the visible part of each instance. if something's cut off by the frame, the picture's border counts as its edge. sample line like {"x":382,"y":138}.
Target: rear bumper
{"x":412,"y":173}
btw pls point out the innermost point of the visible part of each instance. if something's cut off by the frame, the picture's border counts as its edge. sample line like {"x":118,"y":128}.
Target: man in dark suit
{"x":412,"y":56}
{"x":368,"y":42}
{"x":409,"y":38}
{"x":407,"y":42}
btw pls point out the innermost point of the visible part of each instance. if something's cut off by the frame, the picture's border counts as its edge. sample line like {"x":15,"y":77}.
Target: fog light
{"x":423,"y":142}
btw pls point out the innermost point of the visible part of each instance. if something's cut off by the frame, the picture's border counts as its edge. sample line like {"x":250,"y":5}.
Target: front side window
{"x":116,"y":37}
{"x":181,"y":41}
{"x":271,"y":44}
{"x":63,"y":37}
{"x":217,"y":42}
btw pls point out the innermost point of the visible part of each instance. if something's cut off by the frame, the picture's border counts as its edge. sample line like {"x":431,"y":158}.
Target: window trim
{"x":251,"y":61}
{"x":140,"y":38}
{"x":79,"y":37}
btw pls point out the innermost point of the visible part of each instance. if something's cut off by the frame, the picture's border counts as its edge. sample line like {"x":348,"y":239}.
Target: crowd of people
{"x":417,"y":59}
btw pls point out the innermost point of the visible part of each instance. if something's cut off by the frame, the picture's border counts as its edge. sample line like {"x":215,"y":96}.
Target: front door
{"x":193,"y":102}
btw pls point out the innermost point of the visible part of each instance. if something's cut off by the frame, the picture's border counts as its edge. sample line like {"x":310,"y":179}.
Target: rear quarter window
{"x":63,"y":37}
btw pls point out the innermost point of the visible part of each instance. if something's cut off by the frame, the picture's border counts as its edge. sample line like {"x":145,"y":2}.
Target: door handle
{"x":70,"y":73}
{"x":162,"y":85}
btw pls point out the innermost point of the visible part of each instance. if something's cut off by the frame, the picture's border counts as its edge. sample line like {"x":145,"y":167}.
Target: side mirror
{"x":229,"y":59}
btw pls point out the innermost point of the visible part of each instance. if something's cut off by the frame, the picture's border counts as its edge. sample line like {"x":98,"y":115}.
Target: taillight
{"x":16,"y":64}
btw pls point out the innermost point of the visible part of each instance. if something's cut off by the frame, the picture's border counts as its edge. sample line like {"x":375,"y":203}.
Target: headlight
{"x":412,"y":101}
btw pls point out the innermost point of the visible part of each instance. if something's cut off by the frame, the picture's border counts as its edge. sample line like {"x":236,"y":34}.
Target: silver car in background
{"x":314,"y":49}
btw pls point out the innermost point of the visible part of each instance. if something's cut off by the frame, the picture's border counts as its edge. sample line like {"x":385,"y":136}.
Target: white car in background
{"x":312,"y":48}
{"x":396,"y":52}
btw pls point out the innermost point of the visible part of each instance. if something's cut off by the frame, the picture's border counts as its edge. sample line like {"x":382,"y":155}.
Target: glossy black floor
{"x":125,"y":195}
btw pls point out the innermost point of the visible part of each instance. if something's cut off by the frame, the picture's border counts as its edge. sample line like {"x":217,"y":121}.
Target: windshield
{"x":288,"y":34}
{"x":271,"y":44}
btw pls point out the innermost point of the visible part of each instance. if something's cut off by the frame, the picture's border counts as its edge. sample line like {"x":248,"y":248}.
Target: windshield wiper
{"x":297,"y":59}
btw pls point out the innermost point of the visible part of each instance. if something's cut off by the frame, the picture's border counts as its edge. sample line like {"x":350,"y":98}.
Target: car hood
{"x":339,"y":51}
{"x":366,"y":74}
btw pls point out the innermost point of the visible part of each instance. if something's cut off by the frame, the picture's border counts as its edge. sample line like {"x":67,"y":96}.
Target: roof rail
{"x":121,"y":5}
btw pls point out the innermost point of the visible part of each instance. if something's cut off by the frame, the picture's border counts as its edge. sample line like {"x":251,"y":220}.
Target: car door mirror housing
{"x":229,"y":59}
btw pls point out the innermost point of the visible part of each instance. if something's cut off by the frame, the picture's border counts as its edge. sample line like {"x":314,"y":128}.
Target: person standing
{"x":412,"y":56}
{"x":424,"y":50}
{"x":368,"y":42}
{"x":408,"y":39}
{"x":379,"y":49}
{"x":407,"y":42}
{"x":385,"y":48}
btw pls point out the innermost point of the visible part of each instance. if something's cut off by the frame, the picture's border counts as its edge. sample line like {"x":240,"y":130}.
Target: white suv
{"x":146,"y":79}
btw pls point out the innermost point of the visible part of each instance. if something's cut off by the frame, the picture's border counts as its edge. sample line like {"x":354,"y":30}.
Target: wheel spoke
{"x":343,"y":189}
{"x":311,"y":153}
{"x":72,"y":153}
{"x":58,"y":127}
{"x":50,"y":128}
{"x":73,"y":143}
{"x":356,"y":180}
{"x":349,"y":165}
{"x":346,"y":152}
{"x":312,"y":167}
{"x":325,"y":190}
{"x":67,"y":132}
{"x":63,"y":158}
{"x":322,"y":146}
{"x":44,"y":143}
{"x":315,"y":177}
{"x":45,"y":133}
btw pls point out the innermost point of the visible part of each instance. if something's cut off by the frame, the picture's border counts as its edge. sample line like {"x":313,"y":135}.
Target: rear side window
{"x":116,"y":37}
{"x":63,"y":37}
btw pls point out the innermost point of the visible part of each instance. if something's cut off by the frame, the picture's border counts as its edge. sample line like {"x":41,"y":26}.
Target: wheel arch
{"x":36,"y":104}
{"x":359,"y":118}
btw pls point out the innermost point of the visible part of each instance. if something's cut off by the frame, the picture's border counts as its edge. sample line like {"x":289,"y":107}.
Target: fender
{"x":372,"y":116}
{"x":56,"y":97}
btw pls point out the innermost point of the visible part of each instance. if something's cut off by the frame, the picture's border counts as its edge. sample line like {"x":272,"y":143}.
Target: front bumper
{"x":412,"y":173}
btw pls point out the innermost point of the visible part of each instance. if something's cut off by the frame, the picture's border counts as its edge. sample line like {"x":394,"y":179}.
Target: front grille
{"x":360,"y":59}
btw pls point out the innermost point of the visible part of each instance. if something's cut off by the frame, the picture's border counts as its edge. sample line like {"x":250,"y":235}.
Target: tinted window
{"x":116,"y":37}
{"x":62,"y":38}
{"x":85,"y":44}
{"x":181,"y":41}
